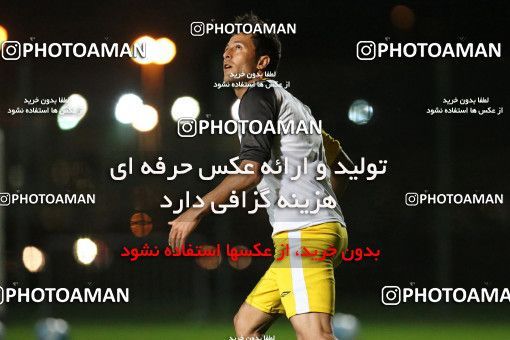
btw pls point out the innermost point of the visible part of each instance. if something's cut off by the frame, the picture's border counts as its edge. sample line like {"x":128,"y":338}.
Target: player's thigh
{"x":313,"y":326}
{"x":249,"y":320}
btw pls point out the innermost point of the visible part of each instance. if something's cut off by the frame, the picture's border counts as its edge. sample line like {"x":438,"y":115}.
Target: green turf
{"x":281,"y":329}
{"x":436,"y":331}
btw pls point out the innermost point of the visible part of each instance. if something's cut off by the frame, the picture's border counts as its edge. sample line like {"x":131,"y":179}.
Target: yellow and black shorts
{"x":297,"y":284}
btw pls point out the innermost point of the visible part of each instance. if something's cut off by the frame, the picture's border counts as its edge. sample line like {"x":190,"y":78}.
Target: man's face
{"x":239,"y":57}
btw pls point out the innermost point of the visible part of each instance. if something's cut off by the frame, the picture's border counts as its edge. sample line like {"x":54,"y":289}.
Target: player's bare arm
{"x":184,"y":224}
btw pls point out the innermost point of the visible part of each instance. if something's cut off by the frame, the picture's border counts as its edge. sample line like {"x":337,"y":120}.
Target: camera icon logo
{"x":5,"y":199}
{"x":11,"y":50}
{"x":390,"y":295}
{"x":411,"y":199}
{"x":187,"y":127}
{"x":197,"y":29}
{"x":365,"y":50}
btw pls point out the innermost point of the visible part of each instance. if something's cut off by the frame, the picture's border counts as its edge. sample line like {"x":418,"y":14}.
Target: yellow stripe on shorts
{"x":299,"y":284}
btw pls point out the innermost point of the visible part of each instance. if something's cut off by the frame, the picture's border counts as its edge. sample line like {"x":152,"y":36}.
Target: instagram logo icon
{"x":365,"y":50}
{"x":11,"y":50}
{"x":411,"y":199}
{"x":390,"y":295}
{"x":187,"y":127}
{"x":197,"y":29}
{"x":5,"y":199}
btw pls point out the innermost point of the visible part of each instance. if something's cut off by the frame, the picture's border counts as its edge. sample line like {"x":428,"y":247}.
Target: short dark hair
{"x":265,"y":44}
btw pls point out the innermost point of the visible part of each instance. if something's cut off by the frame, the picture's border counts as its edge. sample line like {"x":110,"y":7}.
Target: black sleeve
{"x":258,"y":103}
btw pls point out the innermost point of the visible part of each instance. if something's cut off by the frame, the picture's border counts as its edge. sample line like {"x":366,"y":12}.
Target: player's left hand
{"x":181,"y":228}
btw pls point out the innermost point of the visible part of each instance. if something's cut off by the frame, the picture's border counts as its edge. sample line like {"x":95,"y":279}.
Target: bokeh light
{"x":146,"y":119}
{"x":185,"y":107}
{"x":67,"y":123}
{"x":242,"y":262}
{"x":165,"y":51}
{"x":51,"y":328}
{"x":3,"y":34}
{"x":127,"y":107}
{"x":402,"y":17}
{"x":33,"y":259}
{"x":149,"y":43}
{"x":160,"y":51}
{"x":208,"y":262}
{"x":73,"y":110}
{"x":85,"y":250}
{"x":360,"y":112}
{"x":345,"y":326}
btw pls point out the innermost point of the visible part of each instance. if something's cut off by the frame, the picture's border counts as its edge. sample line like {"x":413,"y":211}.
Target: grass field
{"x":281,"y":330}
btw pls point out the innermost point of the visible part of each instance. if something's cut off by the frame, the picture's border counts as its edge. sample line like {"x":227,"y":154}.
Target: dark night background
{"x":433,"y":246}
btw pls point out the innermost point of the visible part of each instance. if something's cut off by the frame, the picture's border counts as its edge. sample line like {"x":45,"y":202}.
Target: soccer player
{"x":301,"y":288}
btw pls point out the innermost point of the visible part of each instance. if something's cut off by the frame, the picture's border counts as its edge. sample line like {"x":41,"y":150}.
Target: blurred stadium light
{"x":345,"y":326}
{"x":73,"y":110}
{"x":145,"y":119}
{"x":185,"y":107}
{"x":148,"y":42}
{"x":3,"y":34}
{"x":66,"y":123}
{"x":52,"y":329}
{"x":242,"y":262}
{"x":208,"y":262}
{"x":402,"y":17}
{"x":33,"y":259}
{"x":165,"y":51}
{"x":85,"y":250}
{"x":160,"y":52}
{"x":127,"y":107}
{"x":360,"y":112}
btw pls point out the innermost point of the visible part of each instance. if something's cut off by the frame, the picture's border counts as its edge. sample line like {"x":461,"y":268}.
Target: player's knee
{"x":236,"y":321}
{"x":240,"y":326}
{"x":244,"y":326}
